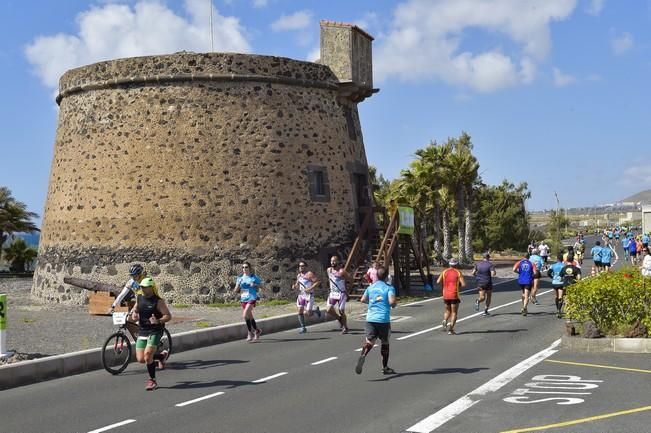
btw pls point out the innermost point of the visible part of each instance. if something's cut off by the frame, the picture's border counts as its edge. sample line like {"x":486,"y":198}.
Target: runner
{"x":538,"y":264}
{"x":607,"y":253}
{"x":484,"y":271}
{"x":531,"y":246}
{"x":151,"y":313}
{"x":579,"y":247}
{"x":645,"y":241}
{"x":525,"y":270}
{"x":248,"y":284}
{"x":596,"y":258}
{"x":625,"y":244}
{"x":554,"y":273}
{"x":380,"y":297}
{"x":645,"y":269}
{"x":305,"y":283}
{"x":544,"y":253}
{"x":338,"y":296}
{"x":450,"y":279}
{"x":570,"y":274}
{"x":632,"y":250}
{"x":371,"y":273}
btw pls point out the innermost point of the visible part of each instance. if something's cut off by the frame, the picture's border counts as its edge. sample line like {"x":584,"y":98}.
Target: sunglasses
{"x":245,"y":267}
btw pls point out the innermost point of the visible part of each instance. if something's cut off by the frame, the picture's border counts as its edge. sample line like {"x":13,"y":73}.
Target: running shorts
{"x":244,"y":304}
{"x":378,"y":330}
{"x":451,"y":301}
{"x":524,"y":287}
{"x":340,"y":302}
{"x":305,"y":300}
{"x":149,"y":340}
{"x":485,"y":286}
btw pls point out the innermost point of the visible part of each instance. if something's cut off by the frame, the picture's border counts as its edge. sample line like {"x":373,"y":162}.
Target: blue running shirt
{"x":596,"y":253}
{"x":248,"y":292}
{"x":525,"y":271}
{"x":557,"y":279}
{"x":606,"y":255}
{"x":379,"y":309}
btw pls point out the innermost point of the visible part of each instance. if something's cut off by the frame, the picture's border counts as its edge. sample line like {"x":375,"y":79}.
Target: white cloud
{"x":561,"y":79}
{"x":119,"y":30}
{"x":425,"y":40}
{"x":636,"y":175}
{"x":296,"y":21}
{"x":595,"y":7}
{"x":621,"y":43}
{"x":314,"y":54}
{"x":260,"y":3}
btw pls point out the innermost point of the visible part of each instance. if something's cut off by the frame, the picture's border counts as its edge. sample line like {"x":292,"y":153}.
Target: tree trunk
{"x":461,"y":230}
{"x":437,"y":233}
{"x":447,"y":248}
{"x":468,"y":241}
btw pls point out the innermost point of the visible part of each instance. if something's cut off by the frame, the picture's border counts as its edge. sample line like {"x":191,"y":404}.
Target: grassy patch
{"x":223,"y":304}
{"x":272,"y":302}
{"x":202,"y":324}
{"x":181,"y":305}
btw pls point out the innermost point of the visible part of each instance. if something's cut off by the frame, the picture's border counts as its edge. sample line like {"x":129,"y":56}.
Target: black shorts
{"x":524,"y":287}
{"x":536,"y":275}
{"x":645,"y":245}
{"x":451,"y":301}
{"x":606,"y":265}
{"x":378,"y":330}
{"x":597,"y":263}
{"x":485,"y":286}
{"x":633,"y":253}
{"x":555,"y":287}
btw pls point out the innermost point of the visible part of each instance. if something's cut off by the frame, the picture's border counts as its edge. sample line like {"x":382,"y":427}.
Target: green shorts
{"x":150,"y":340}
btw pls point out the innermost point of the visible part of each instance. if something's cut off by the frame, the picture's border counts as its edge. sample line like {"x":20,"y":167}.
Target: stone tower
{"x":192,"y":163}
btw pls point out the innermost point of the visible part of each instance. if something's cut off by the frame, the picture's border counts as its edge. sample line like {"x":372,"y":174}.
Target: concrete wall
{"x":192,"y":163}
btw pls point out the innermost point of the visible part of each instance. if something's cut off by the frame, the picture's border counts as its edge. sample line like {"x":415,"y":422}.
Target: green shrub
{"x":614,"y":301}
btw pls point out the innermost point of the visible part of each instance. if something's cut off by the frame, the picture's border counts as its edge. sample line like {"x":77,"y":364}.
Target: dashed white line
{"x":323,"y":361}
{"x":466,"y":318}
{"x":109,"y":427}
{"x":439,"y":418}
{"x":265,"y":379}
{"x":205,"y":397}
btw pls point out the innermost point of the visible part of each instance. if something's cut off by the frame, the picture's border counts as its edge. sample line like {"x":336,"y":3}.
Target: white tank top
{"x":337,"y":284}
{"x":304,"y":284}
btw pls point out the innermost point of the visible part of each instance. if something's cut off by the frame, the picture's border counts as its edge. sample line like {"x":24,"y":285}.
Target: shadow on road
{"x":433,"y":371}
{"x":491,"y":331}
{"x":229,"y":384}
{"x":198,"y":364}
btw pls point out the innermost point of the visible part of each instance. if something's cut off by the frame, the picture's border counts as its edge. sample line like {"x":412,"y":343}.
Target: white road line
{"x":360,"y":349}
{"x":439,"y":418}
{"x":462,"y":292}
{"x":323,"y":361}
{"x":265,"y":379}
{"x":109,"y":427}
{"x":466,"y":318}
{"x":205,"y":397}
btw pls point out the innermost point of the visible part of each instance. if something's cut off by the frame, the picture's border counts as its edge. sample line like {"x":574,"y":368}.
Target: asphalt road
{"x":306,"y":383}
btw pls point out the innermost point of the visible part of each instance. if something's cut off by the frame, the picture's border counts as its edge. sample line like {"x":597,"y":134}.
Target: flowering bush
{"x":613,"y":301}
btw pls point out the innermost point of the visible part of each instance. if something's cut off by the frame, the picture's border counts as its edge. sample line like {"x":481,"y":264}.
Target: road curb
{"x":68,"y":364}
{"x":606,"y":344}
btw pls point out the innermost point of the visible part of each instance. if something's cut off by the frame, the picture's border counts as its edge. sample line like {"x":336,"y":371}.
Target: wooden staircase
{"x":385,"y":245}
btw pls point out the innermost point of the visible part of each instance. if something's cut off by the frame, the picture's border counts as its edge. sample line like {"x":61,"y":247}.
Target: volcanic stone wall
{"x":191,"y":164}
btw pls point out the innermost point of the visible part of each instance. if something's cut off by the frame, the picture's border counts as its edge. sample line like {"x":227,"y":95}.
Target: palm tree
{"x":18,"y":254}
{"x":14,"y":216}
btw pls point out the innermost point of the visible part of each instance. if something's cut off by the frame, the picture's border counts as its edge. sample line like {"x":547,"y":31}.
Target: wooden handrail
{"x":363,"y":234}
{"x":391,"y":231}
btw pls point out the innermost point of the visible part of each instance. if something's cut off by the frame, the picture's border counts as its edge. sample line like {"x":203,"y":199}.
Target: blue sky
{"x":553,"y":92}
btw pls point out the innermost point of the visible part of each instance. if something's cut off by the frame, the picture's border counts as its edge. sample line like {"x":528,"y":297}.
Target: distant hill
{"x":643,"y":196}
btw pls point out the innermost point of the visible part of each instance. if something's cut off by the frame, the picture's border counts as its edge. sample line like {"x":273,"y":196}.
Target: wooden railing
{"x":357,"y":250}
{"x":389,"y":241}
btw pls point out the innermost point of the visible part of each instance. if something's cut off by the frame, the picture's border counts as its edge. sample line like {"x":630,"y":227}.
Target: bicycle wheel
{"x":116,"y":353}
{"x":165,"y":343}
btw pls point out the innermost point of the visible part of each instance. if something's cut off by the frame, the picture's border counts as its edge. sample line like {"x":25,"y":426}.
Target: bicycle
{"x":117,"y":351}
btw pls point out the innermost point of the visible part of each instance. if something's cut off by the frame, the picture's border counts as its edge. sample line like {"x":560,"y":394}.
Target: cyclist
{"x":151,"y":313}
{"x":132,"y":287}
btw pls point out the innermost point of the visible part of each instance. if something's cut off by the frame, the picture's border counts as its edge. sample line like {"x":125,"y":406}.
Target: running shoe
{"x":559,"y":315}
{"x":444,"y":324}
{"x":360,"y":364}
{"x":486,"y":313}
{"x":476,"y":304}
{"x":523,"y":311}
{"x":344,"y":330}
{"x":318,"y":311}
{"x":388,"y":370}
{"x":163,"y":357}
{"x":535,"y":301}
{"x":451,"y":332}
{"x":151,"y":385}
{"x":449,"y":327}
{"x":249,"y":336}
{"x":302,"y":331}
{"x":257,"y":334}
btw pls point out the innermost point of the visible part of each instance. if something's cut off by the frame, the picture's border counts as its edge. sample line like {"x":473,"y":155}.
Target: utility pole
{"x":211,"y":35}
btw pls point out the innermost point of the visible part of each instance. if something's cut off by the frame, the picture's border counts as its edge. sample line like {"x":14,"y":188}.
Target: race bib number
{"x":120,"y":318}
{"x":335,"y":295}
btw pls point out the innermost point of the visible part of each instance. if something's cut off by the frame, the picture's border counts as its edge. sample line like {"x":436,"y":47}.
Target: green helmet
{"x":147,"y":282}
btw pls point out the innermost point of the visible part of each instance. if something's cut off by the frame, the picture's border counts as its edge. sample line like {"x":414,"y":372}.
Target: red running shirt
{"x":451,"y":280}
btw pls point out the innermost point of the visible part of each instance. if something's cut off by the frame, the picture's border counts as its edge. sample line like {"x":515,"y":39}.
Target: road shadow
{"x":529,"y":313}
{"x":191,"y":384}
{"x":433,"y":371}
{"x":491,"y":331}
{"x":288,"y":340}
{"x":200,"y":364}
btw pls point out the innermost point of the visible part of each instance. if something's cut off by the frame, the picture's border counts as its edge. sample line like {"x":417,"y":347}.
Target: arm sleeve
{"x":121,"y":296}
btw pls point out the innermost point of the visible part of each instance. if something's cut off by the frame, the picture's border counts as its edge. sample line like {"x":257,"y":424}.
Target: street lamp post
{"x":558,"y":224}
